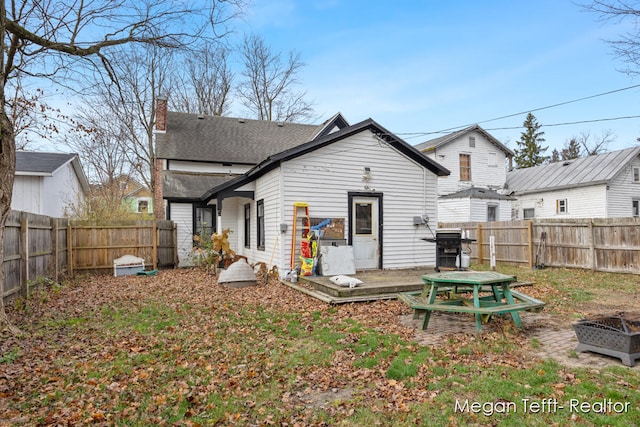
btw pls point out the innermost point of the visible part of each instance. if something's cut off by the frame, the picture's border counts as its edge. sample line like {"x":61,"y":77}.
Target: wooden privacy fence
{"x":38,"y":246}
{"x":611,"y":244}
{"x":94,"y":246}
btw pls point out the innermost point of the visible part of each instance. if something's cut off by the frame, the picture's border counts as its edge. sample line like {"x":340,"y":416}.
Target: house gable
{"x":382,"y":134}
{"x":475,"y":158}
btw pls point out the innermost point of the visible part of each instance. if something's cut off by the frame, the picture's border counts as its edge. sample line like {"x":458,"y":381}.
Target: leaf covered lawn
{"x":178,"y":349}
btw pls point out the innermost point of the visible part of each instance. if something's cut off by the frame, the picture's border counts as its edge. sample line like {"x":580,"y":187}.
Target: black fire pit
{"x":616,"y":335}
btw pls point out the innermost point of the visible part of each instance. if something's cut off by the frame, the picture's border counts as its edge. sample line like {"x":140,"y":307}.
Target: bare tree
{"x":628,"y":46}
{"x":269,"y":86}
{"x":595,"y":144}
{"x":141,"y":75}
{"x":52,"y":38}
{"x":204,"y":86}
{"x":97,"y":139}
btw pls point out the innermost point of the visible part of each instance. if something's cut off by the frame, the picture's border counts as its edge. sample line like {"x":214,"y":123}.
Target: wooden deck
{"x":377,"y":284}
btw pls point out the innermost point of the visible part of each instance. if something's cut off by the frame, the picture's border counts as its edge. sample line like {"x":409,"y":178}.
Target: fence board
{"x":40,"y":246}
{"x":611,"y":244}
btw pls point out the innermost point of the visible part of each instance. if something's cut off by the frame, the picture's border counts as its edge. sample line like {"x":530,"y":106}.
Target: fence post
{"x":154,"y":250}
{"x":24,"y":255}
{"x":530,"y":237}
{"x":592,"y":246}
{"x":53,"y":260}
{"x":176,"y":260}
{"x":70,"y":249}
{"x":479,"y":242}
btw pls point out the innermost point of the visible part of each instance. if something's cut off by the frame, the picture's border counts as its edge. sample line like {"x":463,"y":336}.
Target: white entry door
{"x":365,"y":231}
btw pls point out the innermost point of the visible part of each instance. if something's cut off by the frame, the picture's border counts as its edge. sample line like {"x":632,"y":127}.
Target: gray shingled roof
{"x":590,"y":170}
{"x":272,"y":161}
{"x":477,"y":193}
{"x":190,"y":185}
{"x":443,"y":140}
{"x":227,"y":139}
{"x":45,"y":163}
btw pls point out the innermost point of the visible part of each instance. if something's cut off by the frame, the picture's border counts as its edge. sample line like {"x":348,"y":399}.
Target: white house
{"x":600,"y":186}
{"x":360,"y":176}
{"x":46,"y":183}
{"x":478,"y":165}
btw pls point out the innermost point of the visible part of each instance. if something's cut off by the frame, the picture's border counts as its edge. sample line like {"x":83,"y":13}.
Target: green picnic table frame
{"x":455,"y":283}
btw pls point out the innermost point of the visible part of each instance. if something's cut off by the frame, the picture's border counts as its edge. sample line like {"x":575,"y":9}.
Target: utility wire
{"x":448,"y":130}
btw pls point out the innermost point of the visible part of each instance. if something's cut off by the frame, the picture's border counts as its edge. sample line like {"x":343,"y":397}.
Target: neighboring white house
{"x":46,"y":183}
{"x":478,"y":165}
{"x":360,"y":176}
{"x":600,"y":186}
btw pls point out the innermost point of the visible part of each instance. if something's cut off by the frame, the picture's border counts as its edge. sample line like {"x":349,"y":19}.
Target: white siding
{"x":582,"y":202}
{"x":480,"y":209}
{"x":454,"y":210}
{"x":184,"y":166}
{"x":324,"y":178}
{"x":622,"y":191}
{"x":466,"y":209}
{"x":60,"y":190}
{"x":268,"y":190}
{"x":182,"y":215}
{"x":488,"y":168}
{"x":27,"y":194}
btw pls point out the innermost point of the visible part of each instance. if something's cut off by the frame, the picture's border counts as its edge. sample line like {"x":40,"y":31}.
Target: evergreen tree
{"x":555,"y":156}
{"x":530,"y":152}
{"x":571,"y":150}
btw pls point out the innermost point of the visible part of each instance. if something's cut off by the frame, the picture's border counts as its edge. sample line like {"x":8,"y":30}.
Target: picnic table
{"x":500,"y":298}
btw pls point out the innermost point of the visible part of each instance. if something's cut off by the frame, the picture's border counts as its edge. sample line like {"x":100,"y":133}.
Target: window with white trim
{"x":635,"y":210}
{"x":636,"y":174}
{"x":529,"y":213}
{"x":562,"y":206}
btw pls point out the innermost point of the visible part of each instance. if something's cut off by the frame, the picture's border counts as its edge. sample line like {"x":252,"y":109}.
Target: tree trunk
{"x":7,"y":172}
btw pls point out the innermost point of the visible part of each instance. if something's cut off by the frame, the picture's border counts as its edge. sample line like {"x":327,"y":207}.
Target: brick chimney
{"x":158,"y":167}
{"x":158,"y":202}
{"x":161,"y":114}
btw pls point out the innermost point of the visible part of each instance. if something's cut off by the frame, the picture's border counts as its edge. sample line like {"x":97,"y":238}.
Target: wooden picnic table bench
{"x":455,"y":283}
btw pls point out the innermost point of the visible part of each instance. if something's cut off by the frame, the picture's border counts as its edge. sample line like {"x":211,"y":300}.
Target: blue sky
{"x":426,"y":66}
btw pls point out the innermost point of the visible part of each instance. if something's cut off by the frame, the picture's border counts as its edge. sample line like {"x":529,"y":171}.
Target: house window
{"x":529,"y":213}
{"x":143,"y":206}
{"x":465,"y":167}
{"x":636,"y":207}
{"x":472,"y":141}
{"x":492,"y":160}
{"x":636,"y":174}
{"x":492,"y":212}
{"x":204,"y":221}
{"x":247,"y":225}
{"x":562,"y":206}
{"x":260,"y":224}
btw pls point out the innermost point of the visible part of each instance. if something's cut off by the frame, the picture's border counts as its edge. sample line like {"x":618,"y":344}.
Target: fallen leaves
{"x":179,"y":349}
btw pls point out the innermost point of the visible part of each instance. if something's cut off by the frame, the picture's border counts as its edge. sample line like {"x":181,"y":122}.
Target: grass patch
{"x":202,"y":355}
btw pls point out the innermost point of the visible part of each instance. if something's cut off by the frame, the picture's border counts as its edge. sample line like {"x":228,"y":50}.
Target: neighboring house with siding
{"x":255,"y":171}
{"x":136,"y":196}
{"x":46,"y":183}
{"x":478,"y":165}
{"x":600,"y":186}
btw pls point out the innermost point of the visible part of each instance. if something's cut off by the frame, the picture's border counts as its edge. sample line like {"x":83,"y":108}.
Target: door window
{"x":364,"y":218}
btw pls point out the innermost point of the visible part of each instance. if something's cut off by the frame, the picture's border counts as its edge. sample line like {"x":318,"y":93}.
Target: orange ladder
{"x":306,"y":226}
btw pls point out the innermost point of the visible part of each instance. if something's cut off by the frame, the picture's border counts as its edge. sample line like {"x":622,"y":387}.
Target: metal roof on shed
{"x":584,"y":171}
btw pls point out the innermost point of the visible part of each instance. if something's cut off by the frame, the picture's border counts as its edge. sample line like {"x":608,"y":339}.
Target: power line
{"x":448,"y":130}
